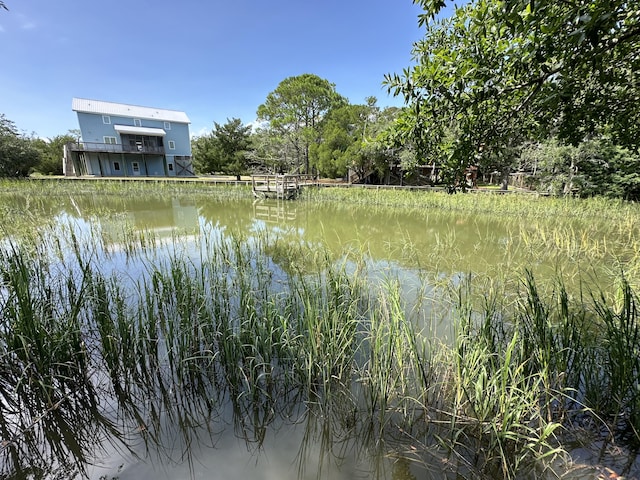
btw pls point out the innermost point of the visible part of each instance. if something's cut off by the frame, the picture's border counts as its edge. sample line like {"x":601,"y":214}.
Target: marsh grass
{"x":192,"y":337}
{"x":566,"y":236}
{"x":499,"y":205}
{"x":277,"y":330}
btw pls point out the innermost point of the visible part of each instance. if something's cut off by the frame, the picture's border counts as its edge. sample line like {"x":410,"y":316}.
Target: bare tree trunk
{"x":505,"y":180}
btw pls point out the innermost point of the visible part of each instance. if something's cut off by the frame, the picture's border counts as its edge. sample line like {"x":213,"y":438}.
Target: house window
{"x":106,"y":119}
{"x":137,"y":122}
{"x":110,"y":140}
{"x":172,"y":145}
{"x":170,"y":165}
{"x":116,"y":166}
{"x":167,"y":125}
{"x":136,"y":167}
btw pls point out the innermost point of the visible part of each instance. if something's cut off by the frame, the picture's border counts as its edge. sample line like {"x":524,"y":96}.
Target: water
{"x":183,"y":435}
{"x":446,"y":242}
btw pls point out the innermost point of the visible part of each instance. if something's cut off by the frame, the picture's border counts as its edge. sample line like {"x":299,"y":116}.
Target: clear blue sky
{"x":212,"y":59}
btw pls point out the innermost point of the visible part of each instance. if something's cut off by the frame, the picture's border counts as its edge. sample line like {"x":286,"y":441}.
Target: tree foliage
{"x":271,"y":152}
{"x":51,"y":153}
{"x":17,"y":153}
{"x":342,"y":138}
{"x":595,"y":167}
{"x":225,"y":150}
{"x":295,"y":109}
{"x":497,"y":72}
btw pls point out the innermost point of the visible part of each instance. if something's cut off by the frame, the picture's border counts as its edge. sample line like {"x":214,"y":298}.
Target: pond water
{"x":408,"y":238}
{"x":197,"y":437}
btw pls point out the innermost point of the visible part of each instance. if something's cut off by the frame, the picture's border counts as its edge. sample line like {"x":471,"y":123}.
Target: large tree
{"x":294,"y":111}
{"x":225,"y":150}
{"x":17,"y":152}
{"x":342,"y":138}
{"x":271,"y":152}
{"x":497,"y":72}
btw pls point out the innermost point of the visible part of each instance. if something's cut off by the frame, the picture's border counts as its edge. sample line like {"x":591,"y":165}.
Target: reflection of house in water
{"x":162,"y":217}
{"x":274,"y":212}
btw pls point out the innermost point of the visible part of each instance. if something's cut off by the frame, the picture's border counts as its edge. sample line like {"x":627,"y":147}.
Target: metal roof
{"x":122,"y":109}
{"x":156,"y":132}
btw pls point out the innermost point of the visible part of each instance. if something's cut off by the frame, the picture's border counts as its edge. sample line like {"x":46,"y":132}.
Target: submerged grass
{"x":235,"y":327}
{"x":141,"y":341}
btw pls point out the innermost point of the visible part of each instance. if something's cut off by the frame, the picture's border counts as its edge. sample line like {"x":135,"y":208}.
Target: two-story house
{"x":120,"y":140}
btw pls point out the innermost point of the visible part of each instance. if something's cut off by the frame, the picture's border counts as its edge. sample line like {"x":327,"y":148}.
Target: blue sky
{"x":214,"y":60}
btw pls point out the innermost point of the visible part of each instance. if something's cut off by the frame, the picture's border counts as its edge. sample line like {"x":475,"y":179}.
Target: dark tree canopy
{"x":225,"y":149}
{"x":496,"y":72}
{"x":51,"y":153}
{"x":342,"y":137}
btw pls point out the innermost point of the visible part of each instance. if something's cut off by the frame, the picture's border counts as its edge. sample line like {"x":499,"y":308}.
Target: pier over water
{"x":276,"y":186}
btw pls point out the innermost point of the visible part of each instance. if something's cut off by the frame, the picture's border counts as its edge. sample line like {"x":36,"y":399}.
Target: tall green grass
{"x":500,"y":205}
{"x":191,"y":337}
{"x":279,"y":329}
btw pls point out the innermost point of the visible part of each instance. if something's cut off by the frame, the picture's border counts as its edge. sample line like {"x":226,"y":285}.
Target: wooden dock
{"x":275,"y":186}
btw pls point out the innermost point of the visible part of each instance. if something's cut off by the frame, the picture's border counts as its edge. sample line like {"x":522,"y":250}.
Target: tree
{"x":294,"y":111}
{"x":500,"y":71}
{"x":270,"y":151}
{"x":595,"y":167}
{"x":385,"y":150}
{"x":204,"y":156}
{"x":224,"y":150}
{"x":51,"y":153}
{"x":17,"y":153}
{"x":342,"y":136}
{"x":234,"y":141}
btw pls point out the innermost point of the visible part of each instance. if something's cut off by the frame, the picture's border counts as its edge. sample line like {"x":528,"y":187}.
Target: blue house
{"x":120,"y":140}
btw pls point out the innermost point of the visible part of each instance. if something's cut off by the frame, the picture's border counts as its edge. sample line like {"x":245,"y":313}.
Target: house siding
{"x":94,"y":156}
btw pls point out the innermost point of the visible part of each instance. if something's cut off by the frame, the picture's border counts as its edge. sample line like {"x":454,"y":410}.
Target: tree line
{"x":22,"y":154}
{"x":549,"y":87}
{"x":545,"y":91}
{"x":304,"y":126}
{"x":541,"y":91}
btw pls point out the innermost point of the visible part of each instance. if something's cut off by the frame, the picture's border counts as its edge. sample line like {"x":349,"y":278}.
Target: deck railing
{"x":279,"y":186}
{"x":114,"y":148}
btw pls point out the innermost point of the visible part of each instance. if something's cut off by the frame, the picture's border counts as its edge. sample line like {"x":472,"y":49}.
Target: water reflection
{"x":278,"y":212}
{"x":180,"y":429}
{"x":138,"y":400}
{"x":436,"y":241}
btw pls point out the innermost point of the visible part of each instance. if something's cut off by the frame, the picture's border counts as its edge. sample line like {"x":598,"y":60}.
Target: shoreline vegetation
{"x":279,"y":330}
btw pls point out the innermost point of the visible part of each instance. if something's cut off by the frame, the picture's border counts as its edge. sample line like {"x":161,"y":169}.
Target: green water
{"x":285,"y":440}
{"x":431,"y":240}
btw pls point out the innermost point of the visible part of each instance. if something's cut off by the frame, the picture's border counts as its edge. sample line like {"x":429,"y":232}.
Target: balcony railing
{"x":114,"y":148}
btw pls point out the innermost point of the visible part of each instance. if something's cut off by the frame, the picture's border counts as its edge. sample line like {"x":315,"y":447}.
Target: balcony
{"x":115,"y":148}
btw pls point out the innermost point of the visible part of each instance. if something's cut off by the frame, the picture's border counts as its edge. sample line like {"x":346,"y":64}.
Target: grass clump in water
{"x":240,"y":326}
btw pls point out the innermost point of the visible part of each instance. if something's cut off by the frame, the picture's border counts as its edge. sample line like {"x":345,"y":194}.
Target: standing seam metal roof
{"x":122,"y":109}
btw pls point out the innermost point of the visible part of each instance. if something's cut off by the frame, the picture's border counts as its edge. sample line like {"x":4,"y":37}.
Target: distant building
{"x":120,"y":140}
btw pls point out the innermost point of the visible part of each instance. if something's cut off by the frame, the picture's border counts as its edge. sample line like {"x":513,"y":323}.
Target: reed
{"x":46,"y":367}
{"x":498,"y":392}
{"x":258,"y":321}
{"x":505,"y":206}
